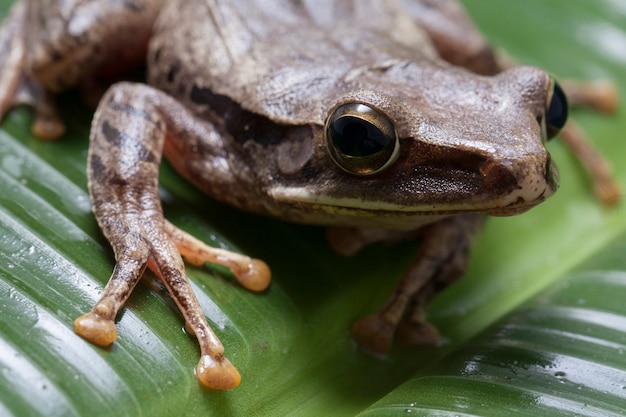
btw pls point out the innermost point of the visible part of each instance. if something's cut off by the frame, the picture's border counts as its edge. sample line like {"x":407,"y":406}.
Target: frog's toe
{"x":217,"y":373}
{"x":418,"y":334}
{"x":47,"y":126}
{"x":252,"y":274}
{"x":95,"y":329}
{"x":256,"y":277}
{"x":373,"y":333}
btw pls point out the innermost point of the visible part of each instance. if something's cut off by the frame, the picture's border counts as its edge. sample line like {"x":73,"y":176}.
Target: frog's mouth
{"x":301,"y":205}
{"x":412,"y":193}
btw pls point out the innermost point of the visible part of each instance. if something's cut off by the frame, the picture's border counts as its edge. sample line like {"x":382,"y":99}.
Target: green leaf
{"x":562,"y":354}
{"x":548,"y":285}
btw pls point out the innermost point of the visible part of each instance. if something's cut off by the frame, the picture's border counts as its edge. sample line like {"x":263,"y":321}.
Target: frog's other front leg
{"x":129,"y":132}
{"x":47,"y":47}
{"x":441,"y":259}
{"x":17,"y":85}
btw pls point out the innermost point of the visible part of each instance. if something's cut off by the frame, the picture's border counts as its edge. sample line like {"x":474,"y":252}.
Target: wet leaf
{"x":551,"y":280}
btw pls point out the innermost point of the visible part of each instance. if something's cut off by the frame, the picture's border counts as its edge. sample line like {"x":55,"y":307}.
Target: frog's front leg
{"x":441,"y":259}
{"x":129,"y":131}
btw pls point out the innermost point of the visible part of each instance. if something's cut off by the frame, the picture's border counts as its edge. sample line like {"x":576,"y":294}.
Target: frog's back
{"x":273,"y":56}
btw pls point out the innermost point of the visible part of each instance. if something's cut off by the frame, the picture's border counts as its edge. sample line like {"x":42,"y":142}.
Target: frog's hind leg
{"x":602,"y":97}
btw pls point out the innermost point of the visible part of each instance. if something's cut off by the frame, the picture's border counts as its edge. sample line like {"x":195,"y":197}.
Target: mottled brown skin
{"x":239,"y":93}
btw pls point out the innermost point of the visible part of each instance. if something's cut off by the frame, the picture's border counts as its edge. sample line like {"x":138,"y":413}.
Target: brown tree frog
{"x":381,"y":119}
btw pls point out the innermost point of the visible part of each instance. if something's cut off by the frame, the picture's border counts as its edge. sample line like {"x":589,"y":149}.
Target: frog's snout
{"x":534,"y":182}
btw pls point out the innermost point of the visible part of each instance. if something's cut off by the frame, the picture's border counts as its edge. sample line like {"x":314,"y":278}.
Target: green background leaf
{"x":551,"y":280}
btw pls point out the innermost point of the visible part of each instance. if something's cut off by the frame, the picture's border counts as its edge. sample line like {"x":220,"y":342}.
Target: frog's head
{"x":401,"y":147}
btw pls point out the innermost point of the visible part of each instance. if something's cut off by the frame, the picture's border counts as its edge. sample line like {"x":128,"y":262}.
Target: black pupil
{"x":557,"y":111}
{"x":357,"y":137}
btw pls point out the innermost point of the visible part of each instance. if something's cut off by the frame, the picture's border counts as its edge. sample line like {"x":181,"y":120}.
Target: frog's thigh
{"x":454,"y":35}
{"x":441,"y":258}
{"x":127,"y":139}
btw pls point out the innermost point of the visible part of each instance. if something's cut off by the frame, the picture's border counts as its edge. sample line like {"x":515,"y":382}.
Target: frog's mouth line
{"x":510,"y":206}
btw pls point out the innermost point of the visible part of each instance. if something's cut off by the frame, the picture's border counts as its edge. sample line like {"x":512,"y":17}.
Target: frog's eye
{"x":556,"y":110}
{"x":360,"y":139}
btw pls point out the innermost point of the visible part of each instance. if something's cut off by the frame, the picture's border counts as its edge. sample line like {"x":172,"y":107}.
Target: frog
{"x":382,"y":120}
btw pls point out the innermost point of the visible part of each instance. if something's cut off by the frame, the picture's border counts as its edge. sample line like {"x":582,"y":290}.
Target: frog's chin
{"x":508,"y":211}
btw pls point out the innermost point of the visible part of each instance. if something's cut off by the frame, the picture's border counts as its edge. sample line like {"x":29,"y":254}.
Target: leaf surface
{"x":551,"y":280}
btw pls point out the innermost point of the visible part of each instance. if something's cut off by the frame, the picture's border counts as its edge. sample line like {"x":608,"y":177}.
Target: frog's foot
{"x":415,"y":330}
{"x":47,"y":124}
{"x":418,"y":334}
{"x":16,"y":86}
{"x":374,"y":333}
{"x":252,"y":274}
{"x":441,"y":259}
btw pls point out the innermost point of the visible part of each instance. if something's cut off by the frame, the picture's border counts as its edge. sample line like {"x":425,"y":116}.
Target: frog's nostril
{"x":498,"y":175}
{"x":487,"y":168}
